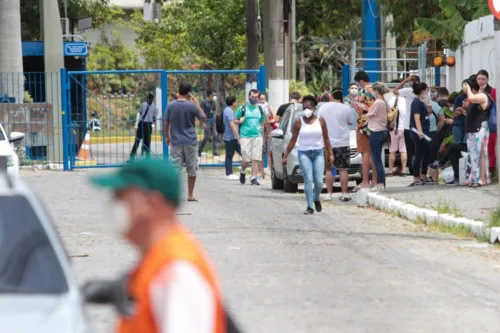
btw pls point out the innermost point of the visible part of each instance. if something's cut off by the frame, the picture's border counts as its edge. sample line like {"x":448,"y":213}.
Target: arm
{"x":264,"y":124}
{"x":295,"y":135}
{"x":166,"y":125}
{"x":399,"y":86}
{"x":238,"y":118}
{"x":373,"y":110}
{"x":202,"y":117}
{"x":230,"y":118}
{"x":326,"y":140}
{"x":182,"y":300}
{"x":480,"y":98}
{"x":418,"y":124}
{"x":441,"y":120}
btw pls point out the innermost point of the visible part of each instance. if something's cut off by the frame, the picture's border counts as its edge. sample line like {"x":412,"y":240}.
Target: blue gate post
{"x":65,"y":111}
{"x":262,"y":86}
{"x":164,"y":102}
{"x":437,"y":76}
{"x":346,"y":78}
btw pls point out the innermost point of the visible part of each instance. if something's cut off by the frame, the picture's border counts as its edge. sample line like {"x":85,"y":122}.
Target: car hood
{"x":5,"y":148}
{"x":41,"y":314}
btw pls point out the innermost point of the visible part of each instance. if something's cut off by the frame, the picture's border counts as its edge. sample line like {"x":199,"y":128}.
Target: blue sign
{"x":76,"y":49}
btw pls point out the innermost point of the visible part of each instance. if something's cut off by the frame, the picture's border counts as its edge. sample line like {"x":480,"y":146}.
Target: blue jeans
{"x":312,"y":163}
{"x":377,"y":140}
{"x":232,"y":146}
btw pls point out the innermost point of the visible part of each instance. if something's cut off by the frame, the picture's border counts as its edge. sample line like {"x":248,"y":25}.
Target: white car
{"x":38,"y":292}
{"x":7,"y":148}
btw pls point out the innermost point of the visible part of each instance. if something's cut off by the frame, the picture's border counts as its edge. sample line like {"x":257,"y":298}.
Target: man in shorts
{"x":180,"y":132}
{"x":252,"y":124}
{"x":338,"y":118}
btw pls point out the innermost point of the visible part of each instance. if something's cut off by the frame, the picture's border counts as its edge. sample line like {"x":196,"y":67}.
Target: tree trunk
{"x":302,"y":67}
{"x":252,"y":35}
{"x":11,"y":56}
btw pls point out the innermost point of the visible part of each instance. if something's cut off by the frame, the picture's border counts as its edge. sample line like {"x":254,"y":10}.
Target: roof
{"x":128,"y":4}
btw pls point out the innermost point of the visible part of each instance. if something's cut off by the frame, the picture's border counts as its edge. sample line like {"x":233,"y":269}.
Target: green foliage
{"x":112,"y":55}
{"x":299,"y":87}
{"x":322,"y":78}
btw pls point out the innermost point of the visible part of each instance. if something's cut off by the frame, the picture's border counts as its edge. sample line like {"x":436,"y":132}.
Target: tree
{"x":111,"y":55}
{"x":11,"y":58}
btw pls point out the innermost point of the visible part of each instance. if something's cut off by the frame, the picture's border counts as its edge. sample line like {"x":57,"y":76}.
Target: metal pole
{"x":353,"y":60}
{"x":497,"y":85}
{"x":293,"y":32}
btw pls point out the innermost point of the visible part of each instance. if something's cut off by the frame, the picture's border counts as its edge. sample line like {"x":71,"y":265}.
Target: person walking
{"x":180,"y":132}
{"x":338,"y":118}
{"x":312,"y":134}
{"x":377,"y":124}
{"x":252,"y":119}
{"x":174,"y":286}
{"x":209,"y":107}
{"x":231,"y":136}
{"x":294,"y":99}
{"x":144,"y":126}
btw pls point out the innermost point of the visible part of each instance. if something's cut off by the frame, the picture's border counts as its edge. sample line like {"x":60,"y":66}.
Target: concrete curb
{"x":413,"y":213}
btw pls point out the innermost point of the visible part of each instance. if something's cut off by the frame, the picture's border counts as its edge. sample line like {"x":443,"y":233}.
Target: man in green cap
{"x":174,"y":285}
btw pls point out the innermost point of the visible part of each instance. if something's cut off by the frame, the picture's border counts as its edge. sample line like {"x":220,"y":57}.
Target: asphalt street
{"x":346,"y":269}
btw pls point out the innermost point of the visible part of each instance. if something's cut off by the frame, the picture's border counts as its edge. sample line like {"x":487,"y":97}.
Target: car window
{"x":284,"y":121}
{"x":28,"y":262}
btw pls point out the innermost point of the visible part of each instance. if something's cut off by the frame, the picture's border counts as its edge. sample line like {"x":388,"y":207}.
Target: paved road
{"x":345,"y":270}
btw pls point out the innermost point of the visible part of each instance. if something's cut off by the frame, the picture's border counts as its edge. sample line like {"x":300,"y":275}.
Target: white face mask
{"x":353,"y":92}
{"x":308,"y":113}
{"x":119,"y":215}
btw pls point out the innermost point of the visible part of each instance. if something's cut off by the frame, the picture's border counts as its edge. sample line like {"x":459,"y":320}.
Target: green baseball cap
{"x":155,"y":175}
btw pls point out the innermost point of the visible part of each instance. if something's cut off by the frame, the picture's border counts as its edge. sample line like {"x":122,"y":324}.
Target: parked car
{"x":288,"y":178}
{"x":8,"y":149}
{"x":38,"y":290}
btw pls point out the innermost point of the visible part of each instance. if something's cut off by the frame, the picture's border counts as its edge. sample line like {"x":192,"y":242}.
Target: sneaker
{"x":309,"y":211}
{"x":254,"y":181}
{"x":231,"y":177}
{"x":329,"y":197}
{"x":429,"y":181}
{"x":215,"y":153}
{"x":317,"y":205}
{"x":453,"y":183}
{"x":377,"y":189}
{"x":417,"y":183}
{"x":242,"y":177}
{"x":345,"y":198}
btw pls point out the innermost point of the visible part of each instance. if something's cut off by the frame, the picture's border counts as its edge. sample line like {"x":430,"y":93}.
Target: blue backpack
{"x":492,"y":119}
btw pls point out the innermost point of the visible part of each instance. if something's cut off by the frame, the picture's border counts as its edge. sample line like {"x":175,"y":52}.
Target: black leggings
{"x":454,"y":154}
{"x":421,"y":161}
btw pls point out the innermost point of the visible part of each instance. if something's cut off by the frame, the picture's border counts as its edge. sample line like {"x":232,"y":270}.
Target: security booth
{"x":30,"y":110}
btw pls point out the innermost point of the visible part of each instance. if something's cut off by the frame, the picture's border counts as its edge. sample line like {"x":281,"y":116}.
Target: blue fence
{"x":30,"y":103}
{"x":101,"y":107}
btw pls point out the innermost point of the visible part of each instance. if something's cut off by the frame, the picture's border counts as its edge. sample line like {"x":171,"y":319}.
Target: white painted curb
{"x":413,"y":213}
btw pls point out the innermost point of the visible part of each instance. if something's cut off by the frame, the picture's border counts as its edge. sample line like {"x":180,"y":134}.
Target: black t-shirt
{"x":475,"y":116}
{"x":282,"y":109}
{"x":418,"y":107}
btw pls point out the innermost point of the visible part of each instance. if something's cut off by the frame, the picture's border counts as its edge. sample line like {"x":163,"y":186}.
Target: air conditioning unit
{"x":65,"y":26}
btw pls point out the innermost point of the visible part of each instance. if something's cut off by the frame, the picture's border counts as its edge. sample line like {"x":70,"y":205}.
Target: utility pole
{"x":293,"y":39}
{"x":274,"y":52}
{"x":497,"y":82}
{"x":253,"y":34}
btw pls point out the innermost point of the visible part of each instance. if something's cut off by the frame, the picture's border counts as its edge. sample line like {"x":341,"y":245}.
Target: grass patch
{"x":494,"y":220}
{"x":444,"y":207}
{"x":459,"y":231}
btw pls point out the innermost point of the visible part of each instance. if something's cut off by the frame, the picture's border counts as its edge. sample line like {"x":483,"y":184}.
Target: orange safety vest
{"x":179,"y":244}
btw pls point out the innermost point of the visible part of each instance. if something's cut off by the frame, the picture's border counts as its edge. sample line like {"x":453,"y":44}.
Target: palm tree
{"x":11,"y":57}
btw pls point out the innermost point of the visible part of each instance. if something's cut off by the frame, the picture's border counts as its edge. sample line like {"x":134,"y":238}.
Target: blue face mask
{"x":253,"y":100}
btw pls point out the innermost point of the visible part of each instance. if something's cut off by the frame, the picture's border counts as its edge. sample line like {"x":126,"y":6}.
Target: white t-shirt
{"x":409,"y":96}
{"x":338,"y":117}
{"x":402,"y":109}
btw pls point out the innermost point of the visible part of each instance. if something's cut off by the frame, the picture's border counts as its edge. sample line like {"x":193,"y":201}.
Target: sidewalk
{"x":460,"y":208}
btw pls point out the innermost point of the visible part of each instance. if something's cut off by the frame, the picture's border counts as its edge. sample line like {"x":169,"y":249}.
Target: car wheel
{"x":289,"y":187}
{"x":276,"y":184}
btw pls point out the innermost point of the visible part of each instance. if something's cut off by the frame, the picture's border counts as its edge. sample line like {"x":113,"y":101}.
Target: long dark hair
{"x":488,"y":88}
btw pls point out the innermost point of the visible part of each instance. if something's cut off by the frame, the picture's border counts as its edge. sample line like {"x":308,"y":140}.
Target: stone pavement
{"x":346,"y":269}
{"x":473,"y":203}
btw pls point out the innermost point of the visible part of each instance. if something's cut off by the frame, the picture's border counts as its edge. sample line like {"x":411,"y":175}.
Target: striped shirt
{"x":151,"y":116}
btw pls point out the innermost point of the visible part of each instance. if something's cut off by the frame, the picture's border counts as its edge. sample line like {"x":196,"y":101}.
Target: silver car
{"x":38,"y":291}
{"x":288,"y":178}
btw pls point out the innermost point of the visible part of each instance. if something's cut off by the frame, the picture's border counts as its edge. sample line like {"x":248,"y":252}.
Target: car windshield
{"x":28,"y":262}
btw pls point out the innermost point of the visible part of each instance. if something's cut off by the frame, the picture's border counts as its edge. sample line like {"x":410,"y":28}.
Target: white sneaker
{"x":329,"y":197}
{"x":232,"y":177}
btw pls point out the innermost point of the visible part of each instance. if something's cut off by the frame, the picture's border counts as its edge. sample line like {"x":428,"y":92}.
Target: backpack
{"x":219,"y":122}
{"x":492,"y":118}
{"x":244,"y":109}
{"x":393,"y":116}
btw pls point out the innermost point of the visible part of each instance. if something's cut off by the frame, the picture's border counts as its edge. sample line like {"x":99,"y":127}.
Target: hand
{"x":449,"y":121}
{"x":169,"y":140}
{"x":153,"y":126}
{"x":242,"y":119}
{"x":284,"y":160}
{"x":331,"y":159}
{"x":442,"y":148}
{"x":420,"y":134}
{"x":466,"y":85}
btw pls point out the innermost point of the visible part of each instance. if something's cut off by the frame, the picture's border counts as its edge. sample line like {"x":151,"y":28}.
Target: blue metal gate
{"x":101,"y":106}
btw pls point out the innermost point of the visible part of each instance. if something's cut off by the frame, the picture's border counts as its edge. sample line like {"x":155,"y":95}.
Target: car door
{"x":278,"y":145}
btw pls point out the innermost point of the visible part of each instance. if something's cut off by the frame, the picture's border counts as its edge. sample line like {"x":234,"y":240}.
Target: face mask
{"x":253,"y":100}
{"x":353,"y":92}
{"x":119,"y":215}
{"x":308,"y":113}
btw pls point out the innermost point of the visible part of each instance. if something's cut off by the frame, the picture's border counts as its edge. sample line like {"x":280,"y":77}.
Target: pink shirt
{"x":377,"y":116}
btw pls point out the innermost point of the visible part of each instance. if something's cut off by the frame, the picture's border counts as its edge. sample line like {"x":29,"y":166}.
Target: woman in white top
{"x":312,"y":134}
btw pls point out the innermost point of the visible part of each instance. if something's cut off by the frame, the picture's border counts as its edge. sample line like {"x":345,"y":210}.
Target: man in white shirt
{"x":404,"y":89}
{"x":338,"y":118}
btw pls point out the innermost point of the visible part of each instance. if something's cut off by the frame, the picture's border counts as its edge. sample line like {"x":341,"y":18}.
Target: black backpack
{"x":244,"y":109}
{"x":219,"y":122}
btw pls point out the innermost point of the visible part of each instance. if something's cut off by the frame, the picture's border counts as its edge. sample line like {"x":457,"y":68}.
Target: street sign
{"x":76,"y":49}
{"x":495,"y":8}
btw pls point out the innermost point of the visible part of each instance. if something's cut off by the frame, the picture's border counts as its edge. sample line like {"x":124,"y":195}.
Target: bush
{"x":298,"y":86}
